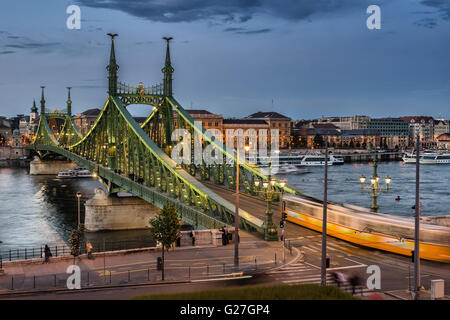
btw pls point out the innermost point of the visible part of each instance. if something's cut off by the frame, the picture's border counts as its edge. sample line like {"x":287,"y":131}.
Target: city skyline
{"x":312,"y":61}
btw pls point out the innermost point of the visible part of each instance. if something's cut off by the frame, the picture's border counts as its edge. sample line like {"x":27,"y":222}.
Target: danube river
{"x":39,"y":210}
{"x":35,"y":210}
{"x":344,"y":186}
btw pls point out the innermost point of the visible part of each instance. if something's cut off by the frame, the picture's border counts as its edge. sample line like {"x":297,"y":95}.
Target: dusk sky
{"x":312,"y":57}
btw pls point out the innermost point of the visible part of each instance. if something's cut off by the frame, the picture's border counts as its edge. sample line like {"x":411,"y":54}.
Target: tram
{"x":375,"y":230}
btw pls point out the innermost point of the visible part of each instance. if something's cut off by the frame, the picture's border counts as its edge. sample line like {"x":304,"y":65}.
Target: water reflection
{"x":344,"y":186}
{"x":38,"y":210}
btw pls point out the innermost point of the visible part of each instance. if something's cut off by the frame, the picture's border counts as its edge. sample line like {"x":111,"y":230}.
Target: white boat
{"x":337,"y":159}
{"x":287,"y":169}
{"x":75,"y":173}
{"x":315,"y":160}
{"x":435,"y":159}
{"x":409,"y":158}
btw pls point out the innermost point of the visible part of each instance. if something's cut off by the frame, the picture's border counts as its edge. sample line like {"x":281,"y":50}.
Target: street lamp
{"x":374,"y":189}
{"x":236,"y":214}
{"x":270,"y":230}
{"x":78,"y":197}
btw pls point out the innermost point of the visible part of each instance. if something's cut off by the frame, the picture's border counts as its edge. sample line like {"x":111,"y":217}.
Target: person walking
{"x":89,"y":248}
{"x":47,"y":254}
{"x":193,"y":237}
{"x":354,"y":282}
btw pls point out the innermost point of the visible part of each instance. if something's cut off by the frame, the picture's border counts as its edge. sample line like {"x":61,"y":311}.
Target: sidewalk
{"x":140,"y":266}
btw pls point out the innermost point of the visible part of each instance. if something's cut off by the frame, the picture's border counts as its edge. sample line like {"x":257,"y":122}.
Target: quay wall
{"x":49,"y":167}
{"x":105,"y":212}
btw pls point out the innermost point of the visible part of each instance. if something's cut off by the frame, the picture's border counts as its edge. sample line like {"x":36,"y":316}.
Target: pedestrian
{"x":89,"y":249}
{"x":193,"y":237}
{"x":47,"y":254}
{"x":337,"y":278}
{"x":354,"y":282}
{"x":225,"y":231}
{"x":222,"y":230}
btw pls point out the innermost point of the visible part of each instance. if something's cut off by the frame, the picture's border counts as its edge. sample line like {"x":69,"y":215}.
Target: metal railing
{"x":64,"y":249}
{"x":112,"y":276}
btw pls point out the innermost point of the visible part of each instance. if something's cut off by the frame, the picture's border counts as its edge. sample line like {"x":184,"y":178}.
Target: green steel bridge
{"x":127,"y":157}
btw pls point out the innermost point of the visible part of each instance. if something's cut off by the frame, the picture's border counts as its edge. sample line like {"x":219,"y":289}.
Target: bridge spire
{"x":112,"y":68}
{"x":42,"y":101}
{"x":69,"y":103}
{"x":168,"y":70}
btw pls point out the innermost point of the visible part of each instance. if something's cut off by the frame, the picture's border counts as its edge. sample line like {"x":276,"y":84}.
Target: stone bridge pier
{"x":49,"y":167}
{"x":111,"y":212}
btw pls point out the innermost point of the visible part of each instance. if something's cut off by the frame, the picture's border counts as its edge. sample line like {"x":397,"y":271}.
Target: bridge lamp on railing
{"x":374,"y":188}
{"x":270,"y":230}
{"x":78,"y":198}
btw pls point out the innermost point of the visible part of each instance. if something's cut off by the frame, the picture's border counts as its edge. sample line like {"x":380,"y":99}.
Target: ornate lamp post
{"x":374,"y":189}
{"x":270,"y":229}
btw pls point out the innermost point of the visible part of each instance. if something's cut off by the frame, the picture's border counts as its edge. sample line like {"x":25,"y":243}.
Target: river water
{"x":344,"y":186}
{"x":37,"y":210}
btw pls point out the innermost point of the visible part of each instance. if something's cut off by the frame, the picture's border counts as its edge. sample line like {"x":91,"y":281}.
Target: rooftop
{"x":91,"y":112}
{"x":244,"y":121}
{"x":267,"y":115}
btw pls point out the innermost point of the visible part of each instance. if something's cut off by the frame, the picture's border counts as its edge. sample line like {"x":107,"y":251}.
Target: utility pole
{"x":417,"y":224}
{"x":236,"y":215}
{"x":323,"y":269}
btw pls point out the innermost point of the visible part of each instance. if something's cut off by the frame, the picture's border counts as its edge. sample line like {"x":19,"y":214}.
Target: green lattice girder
{"x":69,"y":134}
{"x":159,"y":122}
{"x":247,"y":172}
{"x":116,"y":142}
{"x":189,"y":214}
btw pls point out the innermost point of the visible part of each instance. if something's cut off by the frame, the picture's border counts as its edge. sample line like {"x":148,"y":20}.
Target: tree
{"x":165,"y":228}
{"x":352,"y":144}
{"x":318,"y":140}
{"x":76,"y":240}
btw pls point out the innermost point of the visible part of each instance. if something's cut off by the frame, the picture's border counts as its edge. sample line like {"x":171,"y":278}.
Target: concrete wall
{"x":105,"y":212}
{"x":202,"y":237}
{"x":438,"y":220}
{"x":51,"y":167}
{"x":13,"y":153}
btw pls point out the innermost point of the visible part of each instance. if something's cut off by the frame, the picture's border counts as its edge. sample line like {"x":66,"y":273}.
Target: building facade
{"x":441,"y":126}
{"x":394,"y":132}
{"x":278,"y":121}
{"x":85,"y":120}
{"x":422,"y":126}
{"x":347,"y":123}
{"x":443,"y":141}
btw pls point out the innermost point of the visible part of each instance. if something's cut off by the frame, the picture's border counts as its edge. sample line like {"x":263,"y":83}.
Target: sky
{"x":302,"y":58}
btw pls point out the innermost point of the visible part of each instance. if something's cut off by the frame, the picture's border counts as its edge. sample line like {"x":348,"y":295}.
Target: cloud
{"x":443,"y":7}
{"x":238,"y":30}
{"x":427,"y":23}
{"x":443,"y":10}
{"x":230,"y":11}
{"x":6,"y":52}
{"x":140,"y":43}
{"x":37,"y":47}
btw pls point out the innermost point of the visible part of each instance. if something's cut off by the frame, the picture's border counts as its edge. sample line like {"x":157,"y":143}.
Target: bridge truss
{"x":135,"y":159}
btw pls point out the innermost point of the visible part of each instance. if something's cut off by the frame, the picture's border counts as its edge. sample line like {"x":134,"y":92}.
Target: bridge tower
{"x":168,"y":70}
{"x":112,"y":68}
{"x":42,"y":101}
{"x":69,"y":103}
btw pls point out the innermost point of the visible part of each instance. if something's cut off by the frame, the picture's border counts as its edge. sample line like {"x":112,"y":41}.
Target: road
{"x":301,"y":265}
